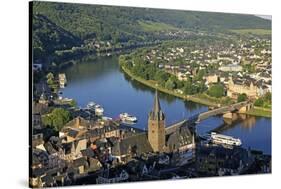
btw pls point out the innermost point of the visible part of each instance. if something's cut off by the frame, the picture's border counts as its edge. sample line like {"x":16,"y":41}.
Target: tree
{"x":242,"y":97}
{"x":189,"y":88}
{"x":161,"y":77}
{"x":73,"y":103}
{"x":267,"y":97}
{"x":201,"y":87}
{"x":150,"y":72}
{"x":199,"y":75}
{"x":216,"y":90}
{"x":50,"y":79}
{"x":259,"y":102}
{"x":56,"y":119}
{"x":170,"y":84}
{"x":50,"y":75}
{"x":179,"y":84}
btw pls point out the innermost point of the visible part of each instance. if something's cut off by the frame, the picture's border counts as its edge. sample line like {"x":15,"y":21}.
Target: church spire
{"x":156,"y":106}
{"x":156,"y":126}
{"x":156,"y":113}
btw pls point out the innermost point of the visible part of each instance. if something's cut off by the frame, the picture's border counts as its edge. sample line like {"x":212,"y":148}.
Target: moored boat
{"x":91,"y":105}
{"x":98,"y":109}
{"x":224,"y":139}
{"x":125,"y":117}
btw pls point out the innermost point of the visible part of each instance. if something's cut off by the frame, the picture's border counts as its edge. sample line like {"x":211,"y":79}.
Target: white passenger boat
{"x":224,"y":139}
{"x":125,"y":117}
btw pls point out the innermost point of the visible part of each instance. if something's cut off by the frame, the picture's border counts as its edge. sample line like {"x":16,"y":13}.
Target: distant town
{"x":241,"y":70}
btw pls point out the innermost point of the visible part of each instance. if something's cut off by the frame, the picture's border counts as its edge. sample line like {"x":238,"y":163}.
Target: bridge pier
{"x":227,"y":115}
{"x":244,"y":109}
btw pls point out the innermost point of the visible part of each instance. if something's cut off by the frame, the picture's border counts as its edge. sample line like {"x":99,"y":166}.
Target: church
{"x":176,"y":138}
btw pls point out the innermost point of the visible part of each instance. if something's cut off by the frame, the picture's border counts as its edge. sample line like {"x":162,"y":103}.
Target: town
{"x":240,"y":69}
{"x":92,"y":148}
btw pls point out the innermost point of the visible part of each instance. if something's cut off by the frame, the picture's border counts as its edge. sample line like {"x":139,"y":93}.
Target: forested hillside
{"x":49,"y":37}
{"x":108,"y":22}
{"x":58,"y":26}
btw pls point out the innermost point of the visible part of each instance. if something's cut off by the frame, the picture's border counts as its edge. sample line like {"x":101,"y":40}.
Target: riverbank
{"x":200,"y":98}
{"x":154,"y":85}
{"x":257,"y":111}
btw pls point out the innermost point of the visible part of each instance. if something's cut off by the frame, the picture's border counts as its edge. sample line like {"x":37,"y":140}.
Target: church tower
{"x":156,"y":126}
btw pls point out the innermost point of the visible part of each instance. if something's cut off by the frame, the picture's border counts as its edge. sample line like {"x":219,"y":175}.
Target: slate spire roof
{"x":156,"y":113}
{"x":156,"y":106}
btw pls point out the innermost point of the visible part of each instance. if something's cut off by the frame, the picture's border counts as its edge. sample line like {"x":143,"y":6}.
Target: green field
{"x":256,"y":111}
{"x":155,"y":26}
{"x":252,"y":31}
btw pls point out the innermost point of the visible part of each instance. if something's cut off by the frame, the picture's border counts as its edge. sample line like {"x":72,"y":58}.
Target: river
{"x":102,"y":81}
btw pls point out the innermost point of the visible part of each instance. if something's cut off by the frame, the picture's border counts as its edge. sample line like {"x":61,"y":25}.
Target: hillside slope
{"x":48,"y":37}
{"x":109,"y":22}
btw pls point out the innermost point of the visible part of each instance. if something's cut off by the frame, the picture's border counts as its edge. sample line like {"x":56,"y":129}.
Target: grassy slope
{"x":150,"y":26}
{"x":252,"y":31}
{"x":260,"y":112}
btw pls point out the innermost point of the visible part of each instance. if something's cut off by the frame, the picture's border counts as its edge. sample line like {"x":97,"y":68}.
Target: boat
{"x":106,"y":118}
{"x":224,"y":139}
{"x":91,"y":105}
{"x":125,"y":117}
{"x":98,"y":109}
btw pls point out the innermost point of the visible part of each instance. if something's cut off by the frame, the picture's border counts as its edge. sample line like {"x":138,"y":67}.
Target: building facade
{"x":235,"y":88}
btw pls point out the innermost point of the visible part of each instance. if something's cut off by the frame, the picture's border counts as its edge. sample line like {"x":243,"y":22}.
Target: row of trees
{"x":148,"y":71}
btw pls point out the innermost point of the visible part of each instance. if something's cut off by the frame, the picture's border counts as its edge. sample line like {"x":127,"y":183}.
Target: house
{"x":72,"y":150}
{"x":80,"y":164}
{"x":111,"y":176}
{"x":36,"y":177}
{"x":55,"y":155}
{"x":242,"y":86}
{"x":217,"y":160}
{"x":182,"y":76}
{"x":231,"y":68}
{"x":134,"y":145}
{"x":37,"y":139}
{"x":37,"y":67}
{"x":74,"y":129}
{"x":106,"y":131}
{"x":212,"y":78}
{"x":179,"y":138}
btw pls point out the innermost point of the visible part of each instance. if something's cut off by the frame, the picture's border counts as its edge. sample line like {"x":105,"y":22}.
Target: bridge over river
{"x":226,"y":111}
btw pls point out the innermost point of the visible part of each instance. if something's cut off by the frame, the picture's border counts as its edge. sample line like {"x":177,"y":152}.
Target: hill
{"x":108,"y":22}
{"x":49,"y":37}
{"x":59,"y":26}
